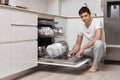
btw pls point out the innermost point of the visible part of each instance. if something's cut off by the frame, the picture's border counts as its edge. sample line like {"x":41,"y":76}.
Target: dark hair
{"x":84,"y":9}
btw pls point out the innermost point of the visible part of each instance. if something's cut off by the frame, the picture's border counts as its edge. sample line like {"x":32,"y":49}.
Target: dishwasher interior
{"x":51,"y":52}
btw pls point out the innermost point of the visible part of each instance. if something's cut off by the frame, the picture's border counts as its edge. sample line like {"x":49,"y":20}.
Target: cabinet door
{"x":24,"y":55}
{"x":5,"y":25}
{"x":24,"y":18}
{"x":5,"y":60}
{"x":24,"y":33}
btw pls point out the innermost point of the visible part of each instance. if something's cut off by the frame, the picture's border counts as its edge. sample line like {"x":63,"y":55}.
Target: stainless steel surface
{"x":113,"y":53}
{"x":66,"y":62}
{"x":112,"y":29}
{"x":113,"y":46}
{"x":115,"y":13}
{"x":57,"y":55}
{"x":112,"y":21}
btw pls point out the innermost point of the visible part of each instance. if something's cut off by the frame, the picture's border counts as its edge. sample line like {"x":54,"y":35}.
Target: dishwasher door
{"x":64,"y":62}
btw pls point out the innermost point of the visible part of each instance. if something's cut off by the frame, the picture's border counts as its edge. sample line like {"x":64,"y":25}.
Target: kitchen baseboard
{"x":111,"y":62}
{"x":20,"y":74}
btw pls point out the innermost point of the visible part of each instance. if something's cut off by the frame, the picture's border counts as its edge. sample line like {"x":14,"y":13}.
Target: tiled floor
{"x":106,"y":72}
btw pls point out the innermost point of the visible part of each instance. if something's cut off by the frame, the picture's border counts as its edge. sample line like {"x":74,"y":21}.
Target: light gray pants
{"x":96,"y":52}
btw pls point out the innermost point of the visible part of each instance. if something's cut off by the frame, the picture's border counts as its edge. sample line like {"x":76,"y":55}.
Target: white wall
{"x":44,"y":6}
{"x":70,"y":8}
{"x":54,"y":7}
{"x":35,"y":5}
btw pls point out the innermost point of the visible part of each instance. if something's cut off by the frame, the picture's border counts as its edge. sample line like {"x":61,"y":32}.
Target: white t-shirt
{"x":89,"y":33}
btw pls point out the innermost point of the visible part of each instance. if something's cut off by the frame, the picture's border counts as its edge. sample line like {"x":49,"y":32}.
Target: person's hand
{"x":79,"y":54}
{"x":70,"y":54}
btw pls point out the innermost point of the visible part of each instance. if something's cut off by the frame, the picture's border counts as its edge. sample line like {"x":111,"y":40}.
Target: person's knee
{"x":98,"y":43}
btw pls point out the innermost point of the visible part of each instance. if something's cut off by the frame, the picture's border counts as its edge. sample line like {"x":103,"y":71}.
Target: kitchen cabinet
{"x":23,"y":18}
{"x":5,"y":60}
{"x":23,"y":55}
{"x":21,"y":33}
{"x":5,"y":25}
{"x":18,"y":41}
{"x":24,"y":40}
{"x":5,"y":38}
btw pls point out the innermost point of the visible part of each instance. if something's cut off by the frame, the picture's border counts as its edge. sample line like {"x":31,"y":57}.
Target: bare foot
{"x":91,"y":70}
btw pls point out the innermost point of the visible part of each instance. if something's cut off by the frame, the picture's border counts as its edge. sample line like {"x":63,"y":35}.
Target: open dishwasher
{"x":56,"y":54}
{"x":51,"y":52}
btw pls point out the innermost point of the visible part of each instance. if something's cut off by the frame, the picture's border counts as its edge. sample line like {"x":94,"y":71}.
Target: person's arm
{"x":97,"y":37}
{"x":76,"y":46}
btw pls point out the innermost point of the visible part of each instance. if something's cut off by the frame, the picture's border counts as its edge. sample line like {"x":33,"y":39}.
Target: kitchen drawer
{"x":24,"y":56}
{"x":5,"y":60}
{"x":23,"y":33}
{"x":23,"y":18}
{"x":64,"y":62}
